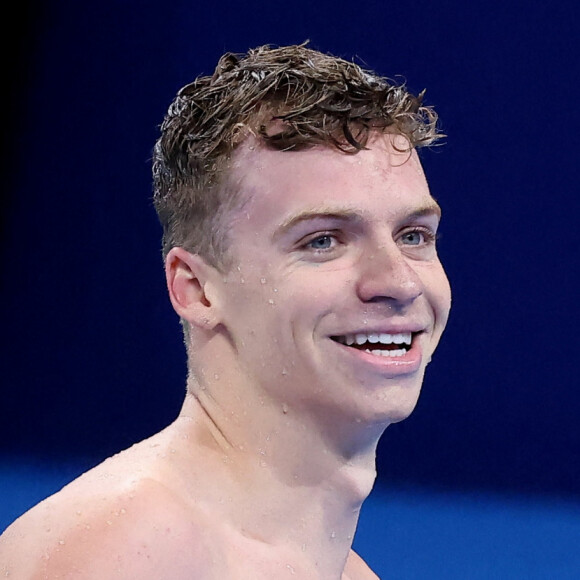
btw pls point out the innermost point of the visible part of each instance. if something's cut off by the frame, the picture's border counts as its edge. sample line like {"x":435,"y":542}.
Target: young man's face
{"x":336,"y":298}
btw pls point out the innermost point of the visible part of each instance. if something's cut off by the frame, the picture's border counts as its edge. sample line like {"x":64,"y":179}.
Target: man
{"x":299,"y":242}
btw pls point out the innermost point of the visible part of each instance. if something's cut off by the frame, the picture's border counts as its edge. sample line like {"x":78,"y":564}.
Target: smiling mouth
{"x":380,"y":344}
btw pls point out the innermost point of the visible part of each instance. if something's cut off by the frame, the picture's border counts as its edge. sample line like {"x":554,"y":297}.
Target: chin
{"x":397,"y":408}
{"x":400,"y":415}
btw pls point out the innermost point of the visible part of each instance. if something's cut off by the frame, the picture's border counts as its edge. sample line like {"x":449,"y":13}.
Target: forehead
{"x":384,"y":179}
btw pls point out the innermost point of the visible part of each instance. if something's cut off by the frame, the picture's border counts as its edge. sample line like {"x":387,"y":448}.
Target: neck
{"x":293,"y":480}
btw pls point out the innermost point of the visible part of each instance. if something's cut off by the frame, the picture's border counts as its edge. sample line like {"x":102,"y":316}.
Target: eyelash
{"x":429,"y":238}
{"x":319,"y":236}
{"x":428,"y":235}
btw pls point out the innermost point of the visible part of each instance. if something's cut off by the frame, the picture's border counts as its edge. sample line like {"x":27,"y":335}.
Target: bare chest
{"x":240,"y":560}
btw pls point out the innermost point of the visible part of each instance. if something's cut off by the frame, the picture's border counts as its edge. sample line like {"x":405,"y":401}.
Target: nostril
{"x":394,"y":285}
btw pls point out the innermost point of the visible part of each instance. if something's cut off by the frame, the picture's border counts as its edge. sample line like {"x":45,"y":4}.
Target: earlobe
{"x":189,"y":278}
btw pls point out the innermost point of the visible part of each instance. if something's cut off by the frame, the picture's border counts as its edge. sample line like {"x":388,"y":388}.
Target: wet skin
{"x":329,"y":245}
{"x":264,"y":472}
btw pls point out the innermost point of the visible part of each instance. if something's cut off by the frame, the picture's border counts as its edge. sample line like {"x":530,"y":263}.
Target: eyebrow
{"x":432,"y":208}
{"x":345,"y":215}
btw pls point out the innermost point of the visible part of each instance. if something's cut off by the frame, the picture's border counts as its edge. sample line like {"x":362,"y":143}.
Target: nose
{"x":387,"y":275}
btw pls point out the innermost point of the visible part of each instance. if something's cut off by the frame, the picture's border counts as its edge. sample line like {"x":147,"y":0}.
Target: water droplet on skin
{"x":275,"y":289}
{"x":292,"y":571}
{"x":263,"y":280}
{"x":270,"y":301}
{"x":242,"y":281}
{"x":61,"y":542}
{"x":303,"y":547}
{"x":365,"y":321}
{"x":284,"y":408}
{"x":333,"y":535}
{"x":216,"y":377}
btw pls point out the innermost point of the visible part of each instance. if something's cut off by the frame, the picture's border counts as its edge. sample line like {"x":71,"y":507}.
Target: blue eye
{"x":321,"y":243}
{"x":417,"y":237}
{"x":413,"y":238}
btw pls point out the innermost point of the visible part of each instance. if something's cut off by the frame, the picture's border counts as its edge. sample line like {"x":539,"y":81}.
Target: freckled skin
{"x":263,"y":473}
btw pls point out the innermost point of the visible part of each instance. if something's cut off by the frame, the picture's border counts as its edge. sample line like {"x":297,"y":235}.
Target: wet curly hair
{"x":289,"y":98}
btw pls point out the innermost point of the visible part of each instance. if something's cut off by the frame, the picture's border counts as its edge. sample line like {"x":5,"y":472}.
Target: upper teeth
{"x":383,"y":338}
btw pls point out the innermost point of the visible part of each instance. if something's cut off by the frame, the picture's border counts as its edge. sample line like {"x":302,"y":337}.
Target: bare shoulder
{"x":111,"y":523}
{"x":357,"y":569}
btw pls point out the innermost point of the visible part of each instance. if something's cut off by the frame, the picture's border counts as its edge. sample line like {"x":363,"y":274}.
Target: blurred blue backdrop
{"x":93,"y":357}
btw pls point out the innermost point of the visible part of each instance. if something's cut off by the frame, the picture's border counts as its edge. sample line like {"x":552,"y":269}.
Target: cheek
{"x":440,"y":295}
{"x":283,"y":305}
{"x":255,"y":310}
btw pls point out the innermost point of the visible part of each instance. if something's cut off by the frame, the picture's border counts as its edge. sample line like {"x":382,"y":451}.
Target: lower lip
{"x":406,"y":364}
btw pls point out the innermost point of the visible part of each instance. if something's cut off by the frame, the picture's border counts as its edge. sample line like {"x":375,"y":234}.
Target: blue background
{"x":92,"y":352}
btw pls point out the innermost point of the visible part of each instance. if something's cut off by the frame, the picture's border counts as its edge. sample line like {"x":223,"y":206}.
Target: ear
{"x":190,"y":282}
